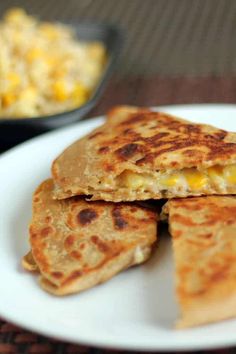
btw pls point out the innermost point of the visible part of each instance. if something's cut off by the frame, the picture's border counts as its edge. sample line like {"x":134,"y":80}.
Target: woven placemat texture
{"x":164,"y":37}
{"x":17,"y":341}
{"x":156,"y":91}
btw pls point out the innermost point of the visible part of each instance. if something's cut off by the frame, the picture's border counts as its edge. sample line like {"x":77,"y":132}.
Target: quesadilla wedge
{"x":76,"y":244}
{"x":203,"y":232}
{"x":139,"y":154}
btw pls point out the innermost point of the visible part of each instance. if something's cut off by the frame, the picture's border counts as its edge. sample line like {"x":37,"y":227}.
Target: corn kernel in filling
{"x":230,"y":174}
{"x":189,"y":179}
{"x":132,"y":180}
{"x":171,"y":180}
{"x":196,"y":180}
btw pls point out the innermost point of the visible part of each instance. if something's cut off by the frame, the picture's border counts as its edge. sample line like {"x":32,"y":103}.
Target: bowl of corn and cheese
{"x":51,"y":74}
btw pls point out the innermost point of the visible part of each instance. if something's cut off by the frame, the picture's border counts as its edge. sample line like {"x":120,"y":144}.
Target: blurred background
{"x":175,"y":51}
{"x":163,"y":37}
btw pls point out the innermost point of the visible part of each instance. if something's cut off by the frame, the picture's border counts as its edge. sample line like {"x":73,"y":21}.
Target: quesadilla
{"x":203,"y":231}
{"x":76,"y":245}
{"x":139,"y":154}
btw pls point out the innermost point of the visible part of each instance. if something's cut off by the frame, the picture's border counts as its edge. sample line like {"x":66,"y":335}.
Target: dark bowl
{"x":13,"y":131}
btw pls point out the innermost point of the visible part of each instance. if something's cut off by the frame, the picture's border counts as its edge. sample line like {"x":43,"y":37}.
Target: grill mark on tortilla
{"x":69,"y":241}
{"x":48,"y":219}
{"x":135,"y":118}
{"x":129,"y":150}
{"x":195,"y":137}
{"x":86,"y":216}
{"x":57,"y":275}
{"x":76,"y":254}
{"x":183,"y":220}
{"x":103,"y":149}
{"x":46,"y":231}
{"x":82,"y":246}
{"x":210,"y":141}
{"x":119,"y":222}
{"x":219,"y":148}
{"x":102,"y":246}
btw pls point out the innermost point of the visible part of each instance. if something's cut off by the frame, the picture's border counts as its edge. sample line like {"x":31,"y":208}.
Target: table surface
{"x":146,"y":92}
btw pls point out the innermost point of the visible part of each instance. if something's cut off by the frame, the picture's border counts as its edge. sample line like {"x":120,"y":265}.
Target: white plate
{"x":136,"y":309}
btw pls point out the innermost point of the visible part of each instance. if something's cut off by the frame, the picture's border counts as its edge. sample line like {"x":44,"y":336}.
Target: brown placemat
{"x":156,"y":91}
{"x":164,"y":91}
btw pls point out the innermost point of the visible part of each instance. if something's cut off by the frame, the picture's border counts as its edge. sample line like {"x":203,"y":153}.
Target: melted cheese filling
{"x":187,"y":179}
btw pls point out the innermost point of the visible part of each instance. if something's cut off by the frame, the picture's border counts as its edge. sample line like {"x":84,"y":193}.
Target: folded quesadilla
{"x":139,"y":154}
{"x":76,"y":245}
{"x":203,"y":231}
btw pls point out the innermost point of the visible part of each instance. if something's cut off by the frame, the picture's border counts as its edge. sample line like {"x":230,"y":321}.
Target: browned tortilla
{"x":147,"y":144}
{"x":76,"y":244}
{"x":203,"y":231}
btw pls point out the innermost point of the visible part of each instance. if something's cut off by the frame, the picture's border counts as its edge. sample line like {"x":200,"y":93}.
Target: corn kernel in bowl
{"x":44,"y":69}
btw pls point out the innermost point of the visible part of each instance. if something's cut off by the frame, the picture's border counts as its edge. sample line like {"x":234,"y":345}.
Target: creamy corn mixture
{"x":44,"y":69}
{"x":217,"y":178}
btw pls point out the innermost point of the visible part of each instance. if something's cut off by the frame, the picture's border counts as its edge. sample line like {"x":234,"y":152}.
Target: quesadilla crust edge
{"x":141,"y":142}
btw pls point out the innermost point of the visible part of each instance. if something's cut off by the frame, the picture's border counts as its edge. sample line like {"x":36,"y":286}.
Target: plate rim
{"x":213,"y":343}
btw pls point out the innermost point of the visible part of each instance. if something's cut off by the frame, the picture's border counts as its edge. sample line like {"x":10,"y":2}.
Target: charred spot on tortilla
{"x":119,"y":221}
{"x":86,"y":216}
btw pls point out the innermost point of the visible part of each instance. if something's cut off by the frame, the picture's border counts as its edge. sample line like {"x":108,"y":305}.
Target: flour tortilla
{"x":76,"y":244}
{"x":148,"y":145}
{"x":203,"y":233}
